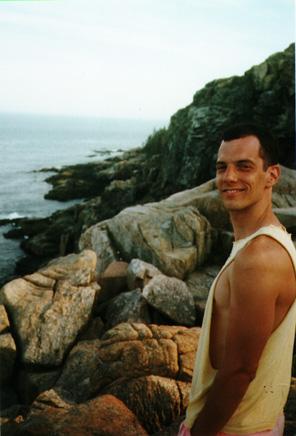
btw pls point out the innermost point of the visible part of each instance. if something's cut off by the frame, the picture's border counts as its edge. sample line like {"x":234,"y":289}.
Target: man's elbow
{"x":243,"y":374}
{"x":246,"y":373}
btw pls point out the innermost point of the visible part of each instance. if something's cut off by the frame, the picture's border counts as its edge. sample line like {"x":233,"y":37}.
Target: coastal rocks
{"x":101,"y":416}
{"x":139,"y":273}
{"x":100,"y":242}
{"x":157,"y":401}
{"x":142,"y":370}
{"x":113,"y":280}
{"x":175,"y":240}
{"x":77,"y":181}
{"x":206,"y":199}
{"x":77,"y":269}
{"x":91,"y":179}
{"x":199,"y":284}
{"x":128,"y":351}
{"x":127,"y":307}
{"x":50,"y":307}
{"x":171,"y":297}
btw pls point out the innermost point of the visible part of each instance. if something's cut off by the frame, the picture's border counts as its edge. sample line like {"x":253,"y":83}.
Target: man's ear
{"x":273,"y":175}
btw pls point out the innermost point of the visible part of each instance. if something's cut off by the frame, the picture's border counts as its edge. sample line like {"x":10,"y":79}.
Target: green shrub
{"x":156,"y":142}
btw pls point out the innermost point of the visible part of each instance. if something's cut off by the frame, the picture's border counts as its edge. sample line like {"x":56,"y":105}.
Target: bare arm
{"x":255,"y":281}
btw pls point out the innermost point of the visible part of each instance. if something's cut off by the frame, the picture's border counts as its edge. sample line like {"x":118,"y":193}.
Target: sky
{"x":140,"y":59}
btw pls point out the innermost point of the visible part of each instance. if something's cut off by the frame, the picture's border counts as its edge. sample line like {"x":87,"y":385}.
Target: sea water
{"x":29,"y":143}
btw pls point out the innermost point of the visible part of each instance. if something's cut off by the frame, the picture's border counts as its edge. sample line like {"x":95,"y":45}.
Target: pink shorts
{"x":278,"y":430}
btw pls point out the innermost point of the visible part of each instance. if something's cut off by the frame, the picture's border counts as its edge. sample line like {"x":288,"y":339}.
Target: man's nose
{"x":230,"y":174}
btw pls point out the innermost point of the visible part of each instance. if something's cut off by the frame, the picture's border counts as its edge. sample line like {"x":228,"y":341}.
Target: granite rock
{"x":101,"y":416}
{"x":50,"y":307}
{"x":128,"y":351}
{"x":170,"y":296}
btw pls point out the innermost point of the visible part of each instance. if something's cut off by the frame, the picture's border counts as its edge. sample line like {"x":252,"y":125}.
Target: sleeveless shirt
{"x":267,"y":394}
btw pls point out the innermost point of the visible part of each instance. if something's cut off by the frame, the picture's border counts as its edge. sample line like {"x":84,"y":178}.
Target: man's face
{"x":240,"y":177}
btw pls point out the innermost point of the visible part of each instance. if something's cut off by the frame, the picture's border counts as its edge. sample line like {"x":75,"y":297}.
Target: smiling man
{"x":243,"y":365}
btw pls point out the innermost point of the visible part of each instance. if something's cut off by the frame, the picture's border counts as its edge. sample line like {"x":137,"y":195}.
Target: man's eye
{"x":244,"y":166}
{"x":220,"y":168}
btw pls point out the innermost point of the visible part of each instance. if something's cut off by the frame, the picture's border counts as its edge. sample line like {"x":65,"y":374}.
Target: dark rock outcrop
{"x":186,"y":151}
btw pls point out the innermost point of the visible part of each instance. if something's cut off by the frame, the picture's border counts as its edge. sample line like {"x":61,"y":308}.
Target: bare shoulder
{"x":260,"y":269}
{"x":264,"y":253}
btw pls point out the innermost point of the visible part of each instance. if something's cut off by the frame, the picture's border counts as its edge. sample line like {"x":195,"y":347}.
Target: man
{"x":243,"y":366}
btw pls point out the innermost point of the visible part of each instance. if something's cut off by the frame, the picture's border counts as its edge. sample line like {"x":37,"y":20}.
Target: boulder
{"x":174,"y":239}
{"x":127,"y":307}
{"x":128,"y":351}
{"x":100,"y":242}
{"x":101,"y":416}
{"x":206,"y":199}
{"x":199,"y":283}
{"x":156,"y":401}
{"x":171,"y":297}
{"x":139,"y":273}
{"x":113,"y":280}
{"x":77,"y":269}
{"x":50,"y":307}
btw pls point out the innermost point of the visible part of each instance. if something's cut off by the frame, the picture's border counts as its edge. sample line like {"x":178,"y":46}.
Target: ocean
{"x":29,"y":143}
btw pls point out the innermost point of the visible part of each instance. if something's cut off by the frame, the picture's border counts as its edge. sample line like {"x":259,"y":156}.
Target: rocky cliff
{"x":265,"y":94}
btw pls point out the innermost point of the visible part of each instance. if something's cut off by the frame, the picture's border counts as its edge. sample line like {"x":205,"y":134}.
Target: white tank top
{"x":267,"y":394}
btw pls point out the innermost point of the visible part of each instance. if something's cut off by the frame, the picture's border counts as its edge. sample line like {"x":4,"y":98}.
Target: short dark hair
{"x":268,"y":144}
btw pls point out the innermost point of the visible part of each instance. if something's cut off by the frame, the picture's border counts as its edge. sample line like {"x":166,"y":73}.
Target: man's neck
{"x":246,"y":222}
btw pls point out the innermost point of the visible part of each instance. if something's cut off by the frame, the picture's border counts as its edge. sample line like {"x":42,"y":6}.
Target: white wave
{"x":11,"y":216}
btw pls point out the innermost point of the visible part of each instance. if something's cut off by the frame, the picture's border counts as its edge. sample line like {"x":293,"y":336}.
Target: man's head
{"x":246,"y":168}
{"x":268,"y":145}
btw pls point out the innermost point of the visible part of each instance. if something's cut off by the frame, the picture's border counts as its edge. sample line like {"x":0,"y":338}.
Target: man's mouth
{"x":232,"y":190}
